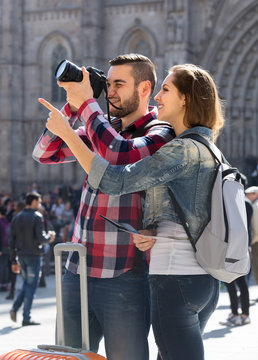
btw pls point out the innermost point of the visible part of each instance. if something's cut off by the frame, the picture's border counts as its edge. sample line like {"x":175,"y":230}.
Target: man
{"x":4,"y":251}
{"x":26,"y":243}
{"x":117,"y":286}
{"x":252,"y":195}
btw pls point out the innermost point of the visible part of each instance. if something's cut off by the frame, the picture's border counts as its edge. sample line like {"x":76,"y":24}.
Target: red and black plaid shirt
{"x":109,"y":252}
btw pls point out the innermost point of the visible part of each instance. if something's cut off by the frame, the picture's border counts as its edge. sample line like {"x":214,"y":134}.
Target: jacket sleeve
{"x":113,"y":147}
{"x":41,"y":237}
{"x":160,"y":168}
{"x":51,"y":149}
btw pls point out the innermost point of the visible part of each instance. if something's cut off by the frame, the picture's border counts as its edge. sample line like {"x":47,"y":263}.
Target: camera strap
{"x":108,"y":101}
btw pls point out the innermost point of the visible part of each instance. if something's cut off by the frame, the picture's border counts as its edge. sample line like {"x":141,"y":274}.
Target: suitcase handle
{"x":53,"y":348}
{"x":58,"y":249}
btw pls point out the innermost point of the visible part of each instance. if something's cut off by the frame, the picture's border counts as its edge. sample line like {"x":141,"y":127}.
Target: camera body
{"x":68,"y":71}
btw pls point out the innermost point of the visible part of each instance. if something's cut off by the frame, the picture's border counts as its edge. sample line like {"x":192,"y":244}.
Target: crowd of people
{"x":58,"y":208}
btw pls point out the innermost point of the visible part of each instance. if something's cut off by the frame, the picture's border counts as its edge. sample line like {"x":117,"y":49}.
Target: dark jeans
{"x":30,"y":268}
{"x":118,"y":310}
{"x":244,"y":295}
{"x":181,"y":306}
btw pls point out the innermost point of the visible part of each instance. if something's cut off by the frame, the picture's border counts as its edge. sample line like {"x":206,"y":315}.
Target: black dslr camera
{"x":67,"y":71}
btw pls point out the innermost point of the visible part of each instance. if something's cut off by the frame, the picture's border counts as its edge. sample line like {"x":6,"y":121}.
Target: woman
{"x":183,"y":294}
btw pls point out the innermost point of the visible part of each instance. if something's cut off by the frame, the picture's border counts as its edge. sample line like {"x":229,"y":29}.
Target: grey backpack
{"x":222,"y":247}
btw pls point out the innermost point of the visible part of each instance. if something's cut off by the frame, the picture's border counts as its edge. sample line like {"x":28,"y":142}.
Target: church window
{"x":58,"y":94}
{"x":143,"y":47}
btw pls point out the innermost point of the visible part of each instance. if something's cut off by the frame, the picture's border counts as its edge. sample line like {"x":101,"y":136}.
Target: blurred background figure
{"x":234,"y":318}
{"x":254,"y":176}
{"x":47,"y":249}
{"x":68,"y":222}
{"x":57,"y":210}
{"x":26,"y":248}
{"x":13,"y":276}
{"x":252,"y":194}
{"x":5,"y":270}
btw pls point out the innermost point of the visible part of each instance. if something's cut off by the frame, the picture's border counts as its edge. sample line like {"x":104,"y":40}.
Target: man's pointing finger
{"x":47,"y":105}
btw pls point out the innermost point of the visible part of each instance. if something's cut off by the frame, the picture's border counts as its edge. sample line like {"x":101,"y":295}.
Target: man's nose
{"x":111,"y":91}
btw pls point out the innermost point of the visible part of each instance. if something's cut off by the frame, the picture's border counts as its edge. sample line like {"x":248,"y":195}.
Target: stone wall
{"x":221,"y":36}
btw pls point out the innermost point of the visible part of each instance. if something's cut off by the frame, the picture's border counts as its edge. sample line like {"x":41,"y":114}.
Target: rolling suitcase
{"x":60,"y":351}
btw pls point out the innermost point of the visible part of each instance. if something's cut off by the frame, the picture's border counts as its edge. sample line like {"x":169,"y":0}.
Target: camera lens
{"x":60,"y":69}
{"x":67,"y":71}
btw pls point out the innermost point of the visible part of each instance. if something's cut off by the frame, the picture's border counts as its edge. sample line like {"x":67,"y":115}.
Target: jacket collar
{"x":201,"y":130}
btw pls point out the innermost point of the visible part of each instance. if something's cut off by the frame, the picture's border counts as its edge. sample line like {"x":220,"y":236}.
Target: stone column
{"x":92,"y":32}
{"x":11,"y":116}
{"x":176,"y":45}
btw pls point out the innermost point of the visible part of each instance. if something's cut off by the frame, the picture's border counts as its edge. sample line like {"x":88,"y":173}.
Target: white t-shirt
{"x":172,"y":253}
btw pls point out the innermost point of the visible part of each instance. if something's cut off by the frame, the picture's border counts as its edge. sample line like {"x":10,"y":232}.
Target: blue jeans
{"x":118,"y":310}
{"x":30,"y":268}
{"x":181,"y":306}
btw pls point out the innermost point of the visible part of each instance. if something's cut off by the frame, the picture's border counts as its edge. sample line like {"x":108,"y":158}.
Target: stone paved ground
{"x":221,"y":343}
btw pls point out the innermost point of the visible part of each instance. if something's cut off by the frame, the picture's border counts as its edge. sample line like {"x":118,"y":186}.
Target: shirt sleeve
{"x":111,"y":145}
{"x":51,"y":149}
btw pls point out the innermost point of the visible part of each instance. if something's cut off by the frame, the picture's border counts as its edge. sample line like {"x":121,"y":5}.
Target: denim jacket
{"x":184,"y":165}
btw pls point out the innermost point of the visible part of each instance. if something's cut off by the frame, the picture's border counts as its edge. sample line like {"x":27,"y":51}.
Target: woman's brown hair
{"x":203,"y":106}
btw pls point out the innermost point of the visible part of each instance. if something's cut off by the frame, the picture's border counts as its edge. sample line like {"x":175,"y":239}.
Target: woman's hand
{"x":144,"y":241}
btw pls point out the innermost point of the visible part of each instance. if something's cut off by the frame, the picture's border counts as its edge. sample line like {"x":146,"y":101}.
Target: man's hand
{"x":16,"y":268}
{"x":59,"y":126}
{"x":77,"y":92}
{"x":56,"y":122}
{"x":52,"y":235}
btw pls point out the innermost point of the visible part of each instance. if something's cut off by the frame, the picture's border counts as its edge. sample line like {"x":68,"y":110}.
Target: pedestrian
{"x":13,"y":277}
{"x":234,"y":318}
{"x":26,"y":248}
{"x":117,"y":281}
{"x":252,"y":194}
{"x":56,"y":216}
{"x":183,"y":295}
{"x":47,"y":249}
{"x":68,"y":221}
{"x":5,"y":271}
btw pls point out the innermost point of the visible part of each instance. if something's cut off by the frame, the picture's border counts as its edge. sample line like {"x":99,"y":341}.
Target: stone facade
{"x":221,"y":36}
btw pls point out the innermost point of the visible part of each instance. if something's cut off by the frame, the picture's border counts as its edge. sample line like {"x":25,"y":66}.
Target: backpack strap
{"x":216,"y":153}
{"x":141,"y":130}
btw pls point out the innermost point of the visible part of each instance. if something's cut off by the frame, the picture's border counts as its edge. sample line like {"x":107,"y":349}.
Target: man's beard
{"x":128,"y":107}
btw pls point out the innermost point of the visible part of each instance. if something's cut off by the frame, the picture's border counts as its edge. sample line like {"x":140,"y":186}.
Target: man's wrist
{"x":65,"y":133}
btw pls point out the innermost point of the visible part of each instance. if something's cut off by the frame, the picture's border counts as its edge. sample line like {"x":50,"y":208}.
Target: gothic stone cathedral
{"x":219,"y":35}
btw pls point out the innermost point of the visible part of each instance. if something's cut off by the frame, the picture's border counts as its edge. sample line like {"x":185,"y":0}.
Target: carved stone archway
{"x":233,"y":62}
{"x":139,"y":39}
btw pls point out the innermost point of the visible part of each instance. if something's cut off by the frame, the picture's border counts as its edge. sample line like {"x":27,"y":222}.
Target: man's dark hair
{"x":31,"y":196}
{"x":143,"y":68}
